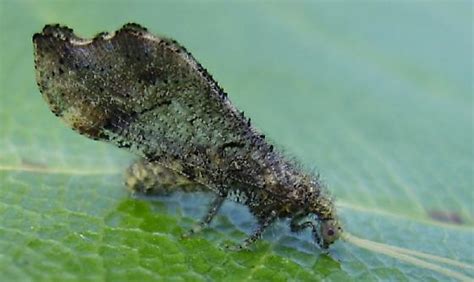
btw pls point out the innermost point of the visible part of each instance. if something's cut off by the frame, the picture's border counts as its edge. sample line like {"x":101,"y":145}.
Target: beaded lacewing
{"x":149,"y":95}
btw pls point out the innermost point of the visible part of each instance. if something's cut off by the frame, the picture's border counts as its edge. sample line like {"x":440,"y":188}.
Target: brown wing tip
{"x":65,"y":33}
{"x":57,"y":31}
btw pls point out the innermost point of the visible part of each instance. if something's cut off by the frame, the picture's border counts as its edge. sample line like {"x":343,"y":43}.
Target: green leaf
{"x":378,"y":96}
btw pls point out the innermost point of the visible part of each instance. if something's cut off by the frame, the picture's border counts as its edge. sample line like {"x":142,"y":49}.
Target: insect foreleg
{"x":257,"y":233}
{"x":297,"y":226}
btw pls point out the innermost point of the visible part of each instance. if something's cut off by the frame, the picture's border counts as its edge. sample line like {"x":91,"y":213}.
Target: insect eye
{"x":330,"y":232}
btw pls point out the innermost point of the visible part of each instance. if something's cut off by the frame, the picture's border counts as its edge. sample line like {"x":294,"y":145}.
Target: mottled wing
{"x":148,"y":94}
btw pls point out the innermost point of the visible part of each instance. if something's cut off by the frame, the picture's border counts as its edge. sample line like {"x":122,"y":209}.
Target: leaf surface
{"x":376,"y":97}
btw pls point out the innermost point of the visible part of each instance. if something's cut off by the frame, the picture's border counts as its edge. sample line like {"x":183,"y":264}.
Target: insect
{"x":149,"y":95}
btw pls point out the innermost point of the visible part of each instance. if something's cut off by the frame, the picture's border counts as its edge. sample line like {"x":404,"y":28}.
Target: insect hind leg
{"x":152,"y":178}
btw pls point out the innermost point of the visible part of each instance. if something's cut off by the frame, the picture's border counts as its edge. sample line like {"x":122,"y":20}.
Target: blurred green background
{"x":377,"y":97}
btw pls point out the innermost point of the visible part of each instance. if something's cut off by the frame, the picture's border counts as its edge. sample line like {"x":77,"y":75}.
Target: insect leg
{"x":296,"y":226}
{"x":152,"y":178}
{"x":214,"y":208}
{"x":257,"y":233}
